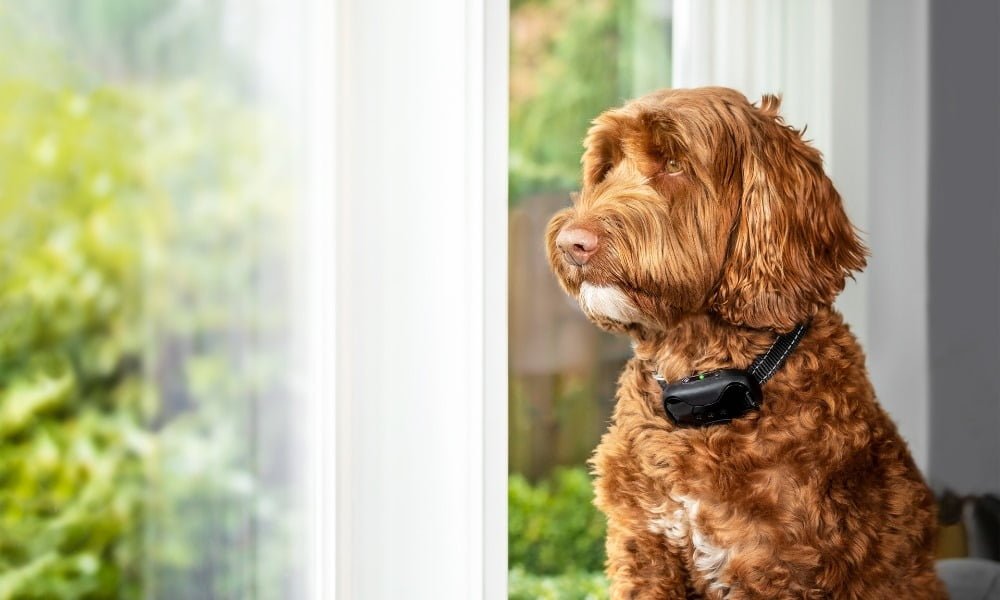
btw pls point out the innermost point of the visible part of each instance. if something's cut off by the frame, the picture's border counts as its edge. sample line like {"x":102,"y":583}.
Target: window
{"x":151,"y":193}
{"x":253,"y":325}
{"x":569,"y":62}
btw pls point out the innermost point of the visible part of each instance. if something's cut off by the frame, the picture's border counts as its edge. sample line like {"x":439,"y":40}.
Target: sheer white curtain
{"x":757,"y":47}
{"x":813,"y":54}
{"x":855,"y":72}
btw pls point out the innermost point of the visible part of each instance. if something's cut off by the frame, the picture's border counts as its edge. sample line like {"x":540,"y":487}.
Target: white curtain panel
{"x":761,"y":47}
{"x":855,"y":73}
{"x":813,"y":53}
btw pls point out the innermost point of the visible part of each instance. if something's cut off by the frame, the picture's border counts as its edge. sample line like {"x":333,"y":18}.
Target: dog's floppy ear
{"x":792,"y":246}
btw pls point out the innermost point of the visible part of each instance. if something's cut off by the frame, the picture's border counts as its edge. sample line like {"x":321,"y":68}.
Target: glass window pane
{"x":569,"y":62}
{"x":147,"y":194}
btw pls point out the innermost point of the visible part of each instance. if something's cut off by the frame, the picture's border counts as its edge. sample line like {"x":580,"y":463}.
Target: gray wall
{"x":964,"y":252}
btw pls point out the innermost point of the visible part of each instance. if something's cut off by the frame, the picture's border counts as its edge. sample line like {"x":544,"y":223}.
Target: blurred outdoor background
{"x":569,"y":61}
{"x":902,"y":99}
{"x":146,"y":189}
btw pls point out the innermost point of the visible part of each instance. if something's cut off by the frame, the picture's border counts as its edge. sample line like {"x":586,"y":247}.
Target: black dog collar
{"x":726,"y":394}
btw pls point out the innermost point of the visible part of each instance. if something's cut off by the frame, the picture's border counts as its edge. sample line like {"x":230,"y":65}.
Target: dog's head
{"x":696,"y":201}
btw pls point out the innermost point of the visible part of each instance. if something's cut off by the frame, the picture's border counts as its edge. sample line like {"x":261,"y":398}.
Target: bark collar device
{"x":723,"y":395}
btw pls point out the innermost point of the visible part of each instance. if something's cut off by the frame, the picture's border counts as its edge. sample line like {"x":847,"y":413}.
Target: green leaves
{"x":27,"y":399}
{"x":137,"y":340}
{"x":570,"y":61}
{"x":555,"y":538}
{"x":564,"y":72}
{"x":522,"y":585}
{"x":553,"y":527}
{"x":70,"y":483}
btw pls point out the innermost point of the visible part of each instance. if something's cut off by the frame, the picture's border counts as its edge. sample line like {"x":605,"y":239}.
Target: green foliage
{"x":553,"y":527}
{"x":553,"y":91}
{"x":71,"y":441}
{"x":132,"y":39}
{"x":570,"y":61}
{"x":216,"y":518}
{"x":555,"y":538}
{"x":131,"y":224}
{"x":522,"y":585}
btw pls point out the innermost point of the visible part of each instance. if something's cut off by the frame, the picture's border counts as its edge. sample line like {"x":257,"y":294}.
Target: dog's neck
{"x":698,"y":343}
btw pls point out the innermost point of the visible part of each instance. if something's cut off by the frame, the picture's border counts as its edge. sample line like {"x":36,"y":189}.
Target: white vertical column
{"x":316,"y":295}
{"x":421,"y":294}
{"x":496,"y":60}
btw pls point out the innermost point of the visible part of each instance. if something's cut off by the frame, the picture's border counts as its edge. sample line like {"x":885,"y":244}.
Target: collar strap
{"x":767,"y":364}
{"x":726,"y":394}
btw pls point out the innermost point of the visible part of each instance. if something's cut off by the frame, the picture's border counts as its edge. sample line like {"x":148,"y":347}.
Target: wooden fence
{"x":562,"y":368}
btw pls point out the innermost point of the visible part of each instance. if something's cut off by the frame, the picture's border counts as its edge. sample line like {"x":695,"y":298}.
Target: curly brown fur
{"x":717,"y":227}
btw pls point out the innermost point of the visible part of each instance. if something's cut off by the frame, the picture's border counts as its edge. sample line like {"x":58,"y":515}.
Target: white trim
{"x":495,"y":150}
{"x":316,"y":298}
{"x":475,"y":92}
{"x":421,"y":296}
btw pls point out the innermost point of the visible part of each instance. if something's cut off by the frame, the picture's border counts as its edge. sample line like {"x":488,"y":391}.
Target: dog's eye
{"x":673,"y":167}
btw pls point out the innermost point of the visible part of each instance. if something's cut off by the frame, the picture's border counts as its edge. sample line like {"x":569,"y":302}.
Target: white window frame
{"x":403,"y":299}
{"x":407,"y":398}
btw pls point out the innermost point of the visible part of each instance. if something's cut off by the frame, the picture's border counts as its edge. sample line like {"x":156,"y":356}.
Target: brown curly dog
{"x":705,"y":228}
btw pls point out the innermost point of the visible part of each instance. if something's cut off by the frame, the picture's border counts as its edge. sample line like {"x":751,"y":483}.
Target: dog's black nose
{"x":578,"y":244}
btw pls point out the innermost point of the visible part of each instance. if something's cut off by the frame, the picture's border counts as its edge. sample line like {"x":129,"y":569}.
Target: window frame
{"x":448,"y":417}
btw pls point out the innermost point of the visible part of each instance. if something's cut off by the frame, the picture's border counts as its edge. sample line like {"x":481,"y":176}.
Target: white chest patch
{"x":610,"y":302}
{"x":680,"y":529}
